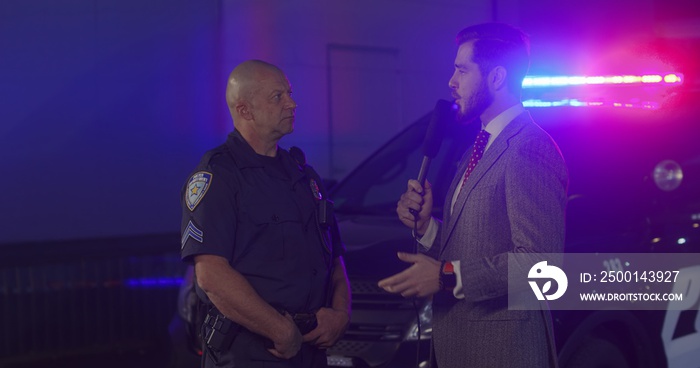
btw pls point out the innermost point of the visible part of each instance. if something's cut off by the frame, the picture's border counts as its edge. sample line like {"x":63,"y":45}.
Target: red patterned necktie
{"x":479,"y":146}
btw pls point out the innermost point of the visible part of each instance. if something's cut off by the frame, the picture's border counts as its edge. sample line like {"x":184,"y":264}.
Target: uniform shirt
{"x":261,"y":216}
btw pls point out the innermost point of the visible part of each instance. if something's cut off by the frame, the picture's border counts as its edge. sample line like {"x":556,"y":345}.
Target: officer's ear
{"x":243,"y":110}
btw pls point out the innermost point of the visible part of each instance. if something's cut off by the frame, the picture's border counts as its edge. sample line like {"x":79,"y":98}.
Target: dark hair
{"x":499,"y":44}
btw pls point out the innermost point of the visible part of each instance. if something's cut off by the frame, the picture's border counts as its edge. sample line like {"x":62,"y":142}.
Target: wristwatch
{"x":448,"y":280}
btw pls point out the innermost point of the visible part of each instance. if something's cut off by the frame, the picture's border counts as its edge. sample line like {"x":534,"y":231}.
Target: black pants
{"x":250,"y":351}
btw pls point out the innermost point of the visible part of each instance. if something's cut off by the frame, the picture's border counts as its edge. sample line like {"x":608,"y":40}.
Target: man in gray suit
{"x":508,"y":197}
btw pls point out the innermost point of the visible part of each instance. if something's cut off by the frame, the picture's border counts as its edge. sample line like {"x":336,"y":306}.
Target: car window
{"x":375,"y":186}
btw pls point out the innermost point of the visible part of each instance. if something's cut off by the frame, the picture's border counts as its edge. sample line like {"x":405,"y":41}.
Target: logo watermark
{"x":543,"y":271}
{"x":601,"y":281}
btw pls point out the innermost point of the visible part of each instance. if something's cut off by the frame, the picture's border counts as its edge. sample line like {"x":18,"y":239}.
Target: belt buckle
{"x":306,"y":322}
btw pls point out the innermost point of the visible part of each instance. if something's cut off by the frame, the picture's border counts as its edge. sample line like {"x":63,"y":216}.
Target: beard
{"x":477,"y":103}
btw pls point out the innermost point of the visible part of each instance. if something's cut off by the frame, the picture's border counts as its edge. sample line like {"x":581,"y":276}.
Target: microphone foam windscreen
{"x":443,"y":114}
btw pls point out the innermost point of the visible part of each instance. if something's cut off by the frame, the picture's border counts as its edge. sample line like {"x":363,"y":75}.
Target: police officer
{"x":265,"y":246}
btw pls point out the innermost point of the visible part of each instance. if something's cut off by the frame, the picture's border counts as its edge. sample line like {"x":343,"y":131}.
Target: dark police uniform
{"x":261,"y":214}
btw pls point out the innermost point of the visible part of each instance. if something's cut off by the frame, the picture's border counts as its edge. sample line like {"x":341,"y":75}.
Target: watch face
{"x":448,"y":281}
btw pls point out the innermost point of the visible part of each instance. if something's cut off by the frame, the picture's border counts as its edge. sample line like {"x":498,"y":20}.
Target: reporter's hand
{"x":290,"y":342}
{"x":421,"y":279}
{"x":412,"y":199}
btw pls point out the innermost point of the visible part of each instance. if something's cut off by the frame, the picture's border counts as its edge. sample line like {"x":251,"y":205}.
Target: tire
{"x":597,"y":353}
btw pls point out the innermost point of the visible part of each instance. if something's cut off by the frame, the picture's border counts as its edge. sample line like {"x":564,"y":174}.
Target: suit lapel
{"x":492,"y":154}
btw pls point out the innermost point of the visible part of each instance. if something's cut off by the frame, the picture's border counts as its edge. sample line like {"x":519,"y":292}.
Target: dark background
{"x":107,"y":105}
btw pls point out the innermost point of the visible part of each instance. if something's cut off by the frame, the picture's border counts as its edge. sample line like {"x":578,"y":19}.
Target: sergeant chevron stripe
{"x":191,"y":232}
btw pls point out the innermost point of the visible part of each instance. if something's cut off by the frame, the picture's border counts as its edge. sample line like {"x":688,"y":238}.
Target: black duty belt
{"x":219,"y":331}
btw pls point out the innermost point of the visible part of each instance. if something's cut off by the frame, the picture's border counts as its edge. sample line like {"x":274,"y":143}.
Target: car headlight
{"x":425,"y":317}
{"x":668,"y":175}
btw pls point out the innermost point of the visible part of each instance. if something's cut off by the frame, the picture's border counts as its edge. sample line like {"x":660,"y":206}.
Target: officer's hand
{"x":413,"y":200}
{"x":331,"y":326}
{"x":290,"y":343}
{"x":421,"y":279}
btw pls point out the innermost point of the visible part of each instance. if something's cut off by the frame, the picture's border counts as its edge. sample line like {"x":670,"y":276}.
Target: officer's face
{"x":272,"y":105}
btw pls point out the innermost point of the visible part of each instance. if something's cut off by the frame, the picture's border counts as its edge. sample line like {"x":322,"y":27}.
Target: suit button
{"x":275,"y":218}
{"x":314,"y":272}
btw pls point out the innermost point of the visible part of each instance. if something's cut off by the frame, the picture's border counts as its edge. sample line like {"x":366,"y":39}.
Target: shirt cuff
{"x":428,"y":238}
{"x":457,"y":292}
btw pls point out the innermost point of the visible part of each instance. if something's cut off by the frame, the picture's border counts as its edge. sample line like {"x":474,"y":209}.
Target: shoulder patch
{"x":197,"y":187}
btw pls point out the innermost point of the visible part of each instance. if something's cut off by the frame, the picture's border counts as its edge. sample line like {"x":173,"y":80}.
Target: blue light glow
{"x":154,"y":282}
{"x":649,"y":105}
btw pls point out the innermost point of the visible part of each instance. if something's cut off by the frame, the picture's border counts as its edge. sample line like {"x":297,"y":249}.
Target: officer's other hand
{"x":416,"y":198}
{"x":331,"y":326}
{"x":290,"y":342}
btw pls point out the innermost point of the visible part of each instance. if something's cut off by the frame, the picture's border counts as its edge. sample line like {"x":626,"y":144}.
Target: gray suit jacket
{"x":513,"y":202}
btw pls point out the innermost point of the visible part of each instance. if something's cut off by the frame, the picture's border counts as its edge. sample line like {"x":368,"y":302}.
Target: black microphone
{"x":442,"y":114}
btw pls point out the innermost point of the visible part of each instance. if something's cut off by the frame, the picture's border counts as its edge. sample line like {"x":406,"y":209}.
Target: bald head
{"x":242,"y":80}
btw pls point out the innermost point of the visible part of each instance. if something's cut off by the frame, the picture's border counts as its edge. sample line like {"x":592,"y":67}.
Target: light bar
{"x":535,"y":81}
{"x":648,"y":105}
